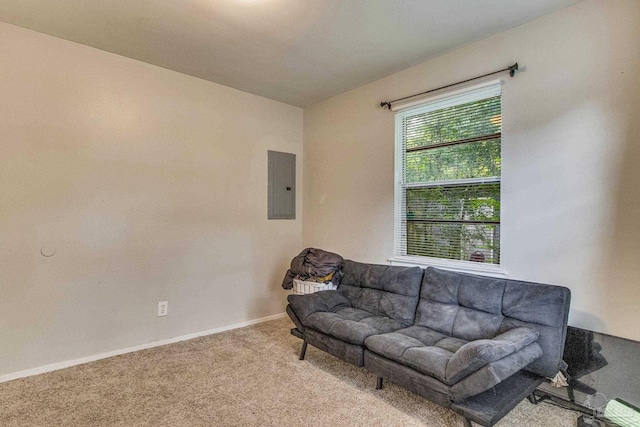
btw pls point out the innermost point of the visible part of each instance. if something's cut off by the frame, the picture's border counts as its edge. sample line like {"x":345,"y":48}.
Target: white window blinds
{"x":448,"y":161}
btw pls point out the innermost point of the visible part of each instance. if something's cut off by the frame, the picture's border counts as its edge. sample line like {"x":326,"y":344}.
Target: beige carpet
{"x":246,"y":377}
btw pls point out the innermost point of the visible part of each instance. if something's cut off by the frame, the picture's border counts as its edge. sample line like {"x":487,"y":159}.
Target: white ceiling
{"x":295,"y":51}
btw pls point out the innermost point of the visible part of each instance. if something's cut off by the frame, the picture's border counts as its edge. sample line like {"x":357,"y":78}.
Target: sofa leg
{"x":303,"y":351}
{"x":379,"y":383}
{"x":466,"y":422}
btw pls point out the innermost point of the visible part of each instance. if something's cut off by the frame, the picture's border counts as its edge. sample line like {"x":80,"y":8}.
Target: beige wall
{"x":571,"y":158}
{"x":149,"y":185}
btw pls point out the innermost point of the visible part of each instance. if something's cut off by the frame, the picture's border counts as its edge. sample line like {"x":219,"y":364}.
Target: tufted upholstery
{"x":371,"y":299}
{"x":461,"y":340}
{"x":420,"y":348}
{"x":323,"y":301}
{"x":382,"y":290}
{"x":449,"y":359}
{"x":472,"y":307}
{"x":351,"y":324}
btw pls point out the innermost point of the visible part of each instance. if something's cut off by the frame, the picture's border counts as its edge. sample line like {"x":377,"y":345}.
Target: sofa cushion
{"x":446,"y":358}
{"x":371,"y":299}
{"x":355,"y":314}
{"x":476,"y":354}
{"x":461,"y":305}
{"x":429,"y":360}
{"x":472,"y":307}
{"x":544,"y":308}
{"x":339,"y":325}
{"x":429,"y":337}
{"x":382,"y":290}
{"x":423,"y":349}
{"x":323,"y":301}
{"x":494,"y":373}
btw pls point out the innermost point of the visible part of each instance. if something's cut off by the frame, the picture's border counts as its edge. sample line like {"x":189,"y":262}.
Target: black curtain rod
{"x":511,"y":69}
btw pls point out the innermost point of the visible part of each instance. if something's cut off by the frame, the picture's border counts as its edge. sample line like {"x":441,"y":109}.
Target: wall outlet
{"x":163,"y":308}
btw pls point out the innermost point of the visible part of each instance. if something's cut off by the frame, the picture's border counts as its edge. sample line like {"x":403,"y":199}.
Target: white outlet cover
{"x":163,"y":308}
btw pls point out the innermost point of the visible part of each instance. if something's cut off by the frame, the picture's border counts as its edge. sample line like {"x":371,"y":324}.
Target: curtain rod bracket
{"x":512,"y":69}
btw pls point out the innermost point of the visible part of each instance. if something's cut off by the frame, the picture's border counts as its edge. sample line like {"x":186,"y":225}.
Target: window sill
{"x":446,"y":264}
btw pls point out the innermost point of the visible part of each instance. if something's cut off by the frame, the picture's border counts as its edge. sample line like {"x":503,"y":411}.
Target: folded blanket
{"x":313,"y":262}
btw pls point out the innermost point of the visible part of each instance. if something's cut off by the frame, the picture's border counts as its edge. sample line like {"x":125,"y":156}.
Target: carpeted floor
{"x":245,"y":377}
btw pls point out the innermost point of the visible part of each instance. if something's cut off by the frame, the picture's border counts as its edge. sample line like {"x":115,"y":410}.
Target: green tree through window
{"x":450,"y":183}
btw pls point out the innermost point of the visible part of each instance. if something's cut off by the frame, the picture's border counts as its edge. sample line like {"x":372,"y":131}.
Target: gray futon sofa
{"x":478,"y":345}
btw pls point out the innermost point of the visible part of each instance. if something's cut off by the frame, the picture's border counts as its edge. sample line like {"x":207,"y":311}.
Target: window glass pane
{"x":466,"y":242}
{"x":478,"y":202}
{"x":472,"y":160}
{"x":449,"y":195}
{"x":453,"y":123}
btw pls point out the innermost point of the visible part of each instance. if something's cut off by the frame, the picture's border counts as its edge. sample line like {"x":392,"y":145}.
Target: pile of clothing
{"x":314,"y":265}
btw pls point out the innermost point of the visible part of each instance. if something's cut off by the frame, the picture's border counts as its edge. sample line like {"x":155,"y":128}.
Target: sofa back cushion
{"x":474,"y":307}
{"x":382,"y":290}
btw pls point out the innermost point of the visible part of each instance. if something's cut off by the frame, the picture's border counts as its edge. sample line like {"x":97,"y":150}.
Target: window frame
{"x":439,"y":101}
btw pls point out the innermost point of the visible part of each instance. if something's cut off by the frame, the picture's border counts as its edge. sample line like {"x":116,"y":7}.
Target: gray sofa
{"x":475,"y":344}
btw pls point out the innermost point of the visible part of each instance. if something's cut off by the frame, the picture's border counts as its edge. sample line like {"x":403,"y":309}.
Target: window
{"x":448,"y":163}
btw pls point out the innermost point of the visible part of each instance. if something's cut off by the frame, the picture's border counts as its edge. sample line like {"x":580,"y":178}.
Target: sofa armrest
{"x":323,"y":301}
{"x":475,"y":354}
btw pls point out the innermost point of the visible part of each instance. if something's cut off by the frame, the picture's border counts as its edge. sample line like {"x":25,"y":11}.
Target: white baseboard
{"x":82,"y":360}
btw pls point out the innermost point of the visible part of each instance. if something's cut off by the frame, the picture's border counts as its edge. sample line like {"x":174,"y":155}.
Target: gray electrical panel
{"x":282,"y":185}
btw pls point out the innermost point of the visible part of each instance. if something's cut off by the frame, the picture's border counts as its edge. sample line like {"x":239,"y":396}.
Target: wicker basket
{"x":301,"y":287}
